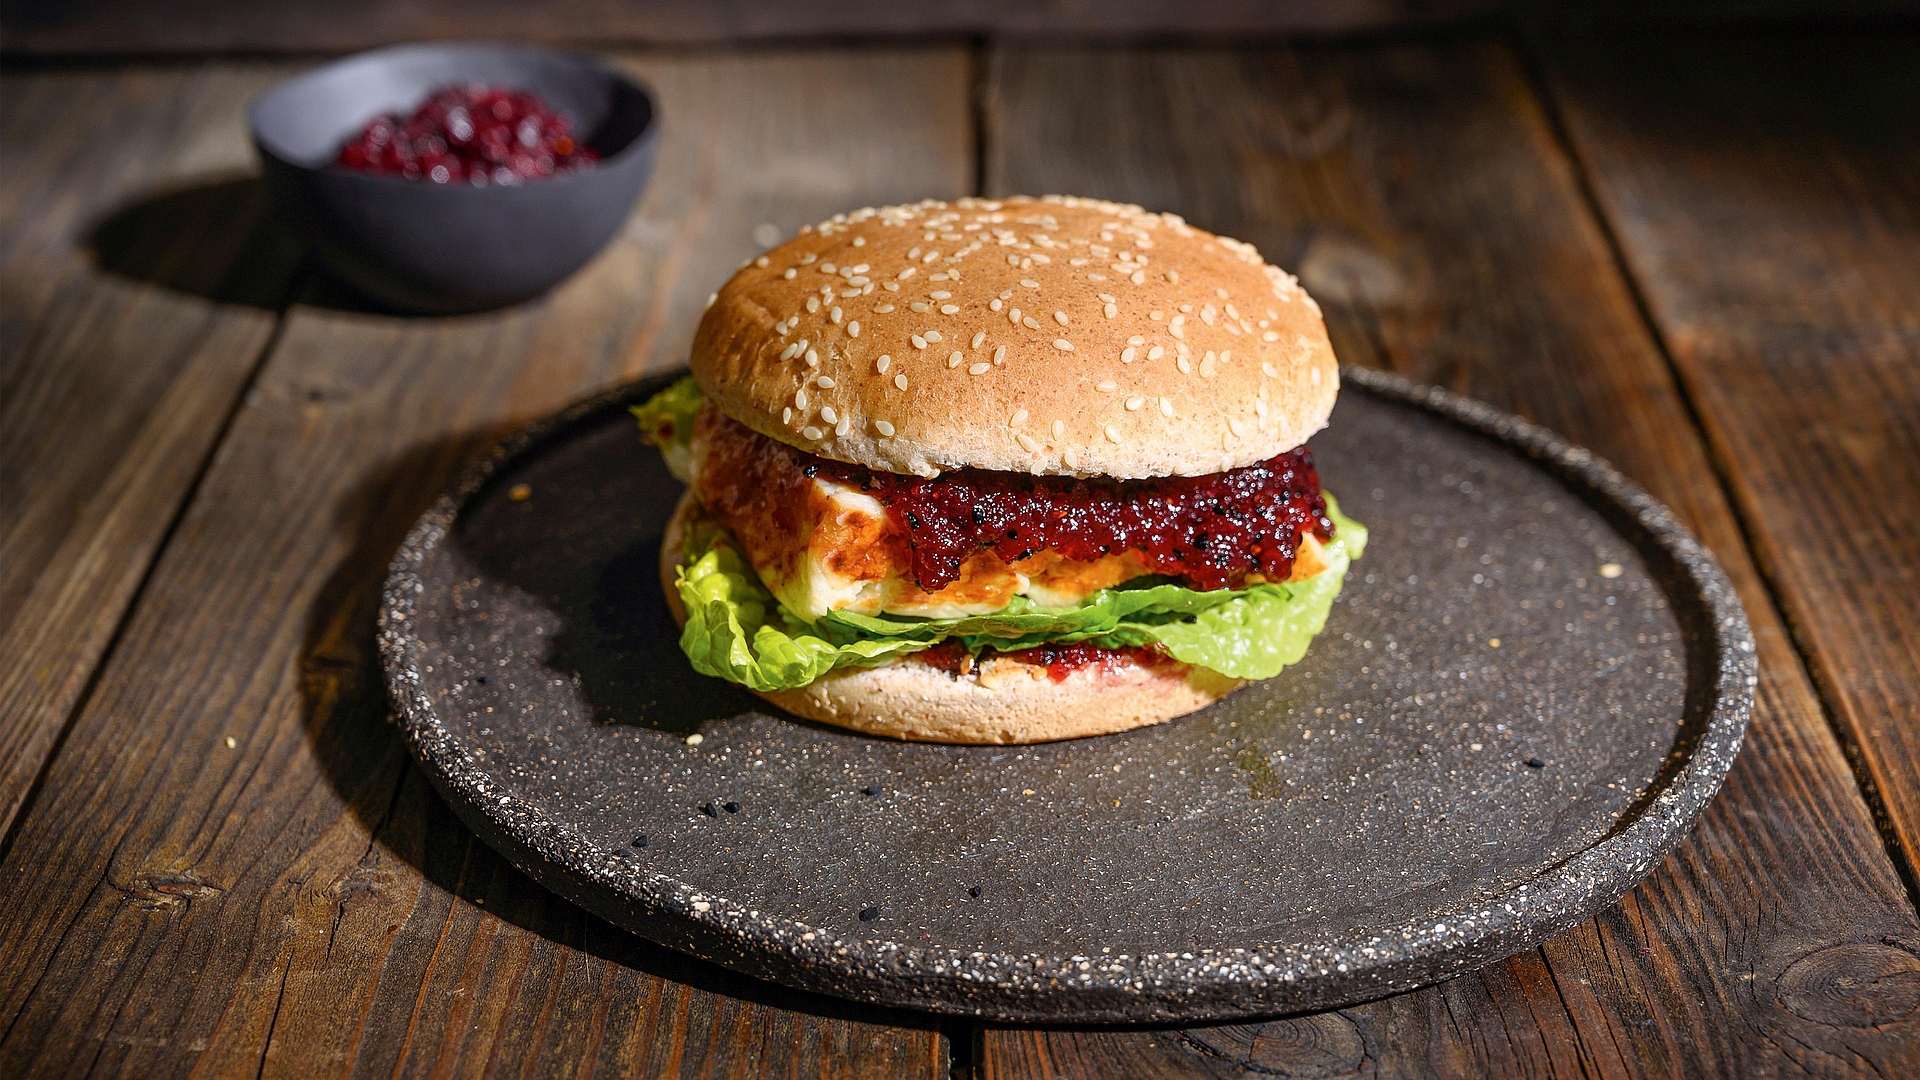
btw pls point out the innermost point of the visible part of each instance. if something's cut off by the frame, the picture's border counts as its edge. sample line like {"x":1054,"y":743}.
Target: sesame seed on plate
{"x":1063,"y":344}
{"x":885,"y":429}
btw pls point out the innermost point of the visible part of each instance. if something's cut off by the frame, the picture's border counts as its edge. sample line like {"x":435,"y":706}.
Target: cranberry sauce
{"x":1059,"y":660}
{"x":471,"y":134}
{"x":1209,"y":532}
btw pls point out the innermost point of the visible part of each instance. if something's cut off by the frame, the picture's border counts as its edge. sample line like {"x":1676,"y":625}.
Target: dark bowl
{"x":421,"y":246}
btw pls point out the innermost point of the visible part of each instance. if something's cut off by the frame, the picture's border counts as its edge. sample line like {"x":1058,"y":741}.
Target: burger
{"x":1001,"y":471}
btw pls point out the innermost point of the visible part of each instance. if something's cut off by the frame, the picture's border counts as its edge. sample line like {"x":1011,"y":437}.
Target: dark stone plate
{"x":1532,"y":684}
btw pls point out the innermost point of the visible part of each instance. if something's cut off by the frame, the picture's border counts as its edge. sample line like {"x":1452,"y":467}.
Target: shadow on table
{"x":362,"y":756}
{"x":219,"y":239}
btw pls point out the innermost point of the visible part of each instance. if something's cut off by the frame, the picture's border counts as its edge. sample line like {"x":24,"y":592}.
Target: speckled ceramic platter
{"x":1530,"y":687}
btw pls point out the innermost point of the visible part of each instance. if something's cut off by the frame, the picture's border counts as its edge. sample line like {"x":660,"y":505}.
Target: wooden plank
{"x":232,"y":868}
{"x":139,"y":284}
{"x":148,"y":26}
{"x":1766,"y":193}
{"x":1421,"y":193}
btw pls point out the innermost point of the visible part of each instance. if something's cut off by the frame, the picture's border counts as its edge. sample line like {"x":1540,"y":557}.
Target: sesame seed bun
{"x":1003,"y":703}
{"x":1055,"y":336}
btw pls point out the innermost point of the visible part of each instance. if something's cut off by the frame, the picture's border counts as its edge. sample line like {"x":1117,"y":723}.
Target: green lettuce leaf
{"x":736,"y":630}
{"x":666,"y":421}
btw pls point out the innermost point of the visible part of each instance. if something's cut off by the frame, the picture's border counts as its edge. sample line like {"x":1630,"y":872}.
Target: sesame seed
{"x":1178,"y":326}
{"x":1071,"y":457}
{"x":881,"y":365}
{"x":813,"y":358}
{"x":949,"y":309}
{"x":1030,"y":283}
{"x":994,"y":305}
{"x":853,"y":328}
{"x":1027,"y":321}
{"x":1060,"y":317}
{"x":827,"y":414}
{"x":1000,"y":355}
{"x":1166,"y":406}
{"x":800,"y":398}
{"x":835,"y":316}
{"x":1156,"y":353}
{"x":813,"y":304}
{"x":1106,"y":298}
{"x":1136,"y":340}
{"x":1270,"y":336}
{"x":1063,"y":344}
{"x":885,"y":429}
{"x":907,"y":273}
{"x":1260,"y":407}
{"x":977,"y":339}
{"x":845,"y":425}
{"x":1126,"y":355}
{"x":1110,"y":310}
{"x":979,"y":369}
{"x":848,"y":294}
{"x":931,"y":335}
{"x":1026,"y":441}
{"x":1096,"y":277}
{"x":920,"y":307}
{"x":789,"y":273}
{"x":859,"y":241}
{"x":828,"y":268}
{"x":807,"y":258}
{"x":811,"y":433}
{"x":890,"y":286}
{"x":1186,"y":368}
{"x":1019,"y":417}
{"x":1134,"y":403}
{"x":918,"y":341}
{"x":1059,"y":429}
{"x":1226,"y":356}
{"x":786,"y":415}
{"x":1113,"y":433}
{"x":790,"y":351}
{"x":883,"y":309}
{"x":826,"y":382}
{"x":1013,"y":316}
{"x":900,"y":382}
{"x":939,"y":294}
{"x":1267,"y":370}
{"x":1107,"y":386}
{"x":956,"y":359}
{"x":1157,"y":316}
{"x":1235,"y":425}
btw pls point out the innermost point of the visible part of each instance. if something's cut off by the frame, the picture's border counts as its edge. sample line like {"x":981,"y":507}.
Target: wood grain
{"x":232,"y":869}
{"x":1421,"y":194}
{"x":1766,"y":193}
{"x":147,"y":26}
{"x":139,"y":284}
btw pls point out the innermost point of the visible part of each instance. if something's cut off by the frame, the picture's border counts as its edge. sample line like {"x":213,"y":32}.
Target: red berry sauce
{"x":1059,"y":660}
{"x":470,"y":134}
{"x":1208,"y":532}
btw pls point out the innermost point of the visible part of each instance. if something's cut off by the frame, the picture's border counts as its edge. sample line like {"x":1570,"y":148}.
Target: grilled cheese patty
{"x":821,"y":545}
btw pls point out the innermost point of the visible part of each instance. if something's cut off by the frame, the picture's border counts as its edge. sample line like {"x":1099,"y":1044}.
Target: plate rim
{"x":1207,"y":984}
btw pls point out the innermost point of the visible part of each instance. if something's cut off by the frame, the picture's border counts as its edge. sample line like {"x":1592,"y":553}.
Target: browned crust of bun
{"x":921,"y":703}
{"x":1235,"y":368}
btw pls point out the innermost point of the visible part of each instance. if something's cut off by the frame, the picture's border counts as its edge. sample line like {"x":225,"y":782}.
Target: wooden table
{"x":1698,"y":254}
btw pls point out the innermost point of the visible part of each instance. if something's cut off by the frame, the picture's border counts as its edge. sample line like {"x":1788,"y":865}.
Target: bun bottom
{"x":1005,"y":703}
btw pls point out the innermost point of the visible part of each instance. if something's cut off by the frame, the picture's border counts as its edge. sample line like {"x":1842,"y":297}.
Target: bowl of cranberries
{"x":447,"y":178}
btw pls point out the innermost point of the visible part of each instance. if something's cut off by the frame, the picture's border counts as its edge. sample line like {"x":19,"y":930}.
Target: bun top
{"x":1057,"y":335}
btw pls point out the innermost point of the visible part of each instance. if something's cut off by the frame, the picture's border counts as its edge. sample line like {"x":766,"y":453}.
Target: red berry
{"x":472,"y":133}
